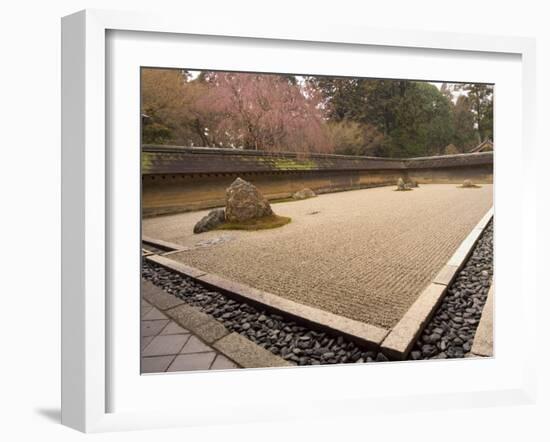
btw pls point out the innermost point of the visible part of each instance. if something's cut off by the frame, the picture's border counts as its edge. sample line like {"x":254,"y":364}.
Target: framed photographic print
{"x":257,"y":215}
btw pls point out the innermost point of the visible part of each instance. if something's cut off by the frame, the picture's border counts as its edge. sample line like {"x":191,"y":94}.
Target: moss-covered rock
{"x":243,"y":202}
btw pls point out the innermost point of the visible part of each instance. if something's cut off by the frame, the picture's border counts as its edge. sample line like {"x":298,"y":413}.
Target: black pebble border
{"x":451,"y":331}
{"x":282,"y":337}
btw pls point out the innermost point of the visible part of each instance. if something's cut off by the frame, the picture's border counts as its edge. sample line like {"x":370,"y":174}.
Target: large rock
{"x":243,"y":201}
{"x":210,"y":221}
{"x":303,"y":194}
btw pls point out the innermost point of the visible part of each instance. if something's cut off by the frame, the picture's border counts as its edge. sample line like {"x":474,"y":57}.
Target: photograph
{"x":275,"y":222}
{"x":292,"y":220}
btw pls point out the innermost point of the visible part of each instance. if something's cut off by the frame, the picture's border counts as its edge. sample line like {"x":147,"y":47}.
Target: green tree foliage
{"x":480,"y":97}
{"x":465,"y":133}
{"x":155,"y":133}
{"x":422,"y":123}
{"x":344,"y":97}
{"x":415,"y":118}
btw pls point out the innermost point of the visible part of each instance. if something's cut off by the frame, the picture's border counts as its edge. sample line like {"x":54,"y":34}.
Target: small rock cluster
{"x":402,"y":186}
{"x":451,"y":331}
{"x":279,"y":335}
{"x":468,"y":184}
{"x":303,"y":194}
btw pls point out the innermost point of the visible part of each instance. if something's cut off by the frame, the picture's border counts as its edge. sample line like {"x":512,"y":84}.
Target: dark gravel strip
{"x":281,"y":336}
{"x":451,"y":331}
{"x":151,"y":248}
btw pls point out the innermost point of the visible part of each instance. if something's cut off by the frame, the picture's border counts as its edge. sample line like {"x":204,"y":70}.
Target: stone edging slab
{"x":176,"y":266}
{"x":239,"y":349}
{"x":145,"y":252}
{"x":401,"y":338}
{"x":366,"y":334}
{"x":161,"y":244}
{"x":483,"y":340}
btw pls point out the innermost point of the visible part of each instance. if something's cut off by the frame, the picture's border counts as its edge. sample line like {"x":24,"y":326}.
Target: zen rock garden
{"x":448,"y":334}
{"x":287,"y":226}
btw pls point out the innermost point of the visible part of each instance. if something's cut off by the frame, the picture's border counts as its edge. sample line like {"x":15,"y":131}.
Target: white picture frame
{"x":87,"y":211}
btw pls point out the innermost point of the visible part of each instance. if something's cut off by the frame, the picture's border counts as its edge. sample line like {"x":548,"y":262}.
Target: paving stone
{"x":158,"y":297}
{"x":173,"y":329}
{"x":192,"y":361}
{"x":222,"y":363}
{"x":190,"y":318}
{"x":144,"y":303}
{"x":145,"y":340}
{"x":195,"y":345}
{"x":153,"y":314}
{"x":157,"y":364}
{"x":145,"y":309}
{"x":165,"y":345}
{"x":151,"y":328}
{"x":247,"y":354}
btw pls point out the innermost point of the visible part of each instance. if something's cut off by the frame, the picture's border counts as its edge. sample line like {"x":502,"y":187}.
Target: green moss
{"x":267,"y":222}
{"x":290,"y":164}
{"x":146,"y":161}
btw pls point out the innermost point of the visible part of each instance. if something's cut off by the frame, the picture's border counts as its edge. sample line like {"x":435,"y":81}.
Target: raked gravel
{"x":363,"y":254}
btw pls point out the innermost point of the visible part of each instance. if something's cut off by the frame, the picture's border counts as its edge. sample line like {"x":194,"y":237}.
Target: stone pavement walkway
{"x":165,"y":346}
{"x":179,"y":337}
